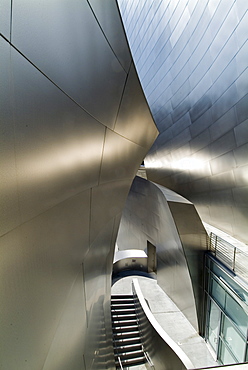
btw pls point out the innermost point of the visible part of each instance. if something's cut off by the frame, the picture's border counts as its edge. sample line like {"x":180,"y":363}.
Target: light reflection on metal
{"x":191,"y":58}
{"x":187,"y":163}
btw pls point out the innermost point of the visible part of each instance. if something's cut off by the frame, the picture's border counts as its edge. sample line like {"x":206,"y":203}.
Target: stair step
{"x":122,"y":296}
{"x":129,"y":355}
{"x":126,"y":341}
{"x":123,"y":316}
{"x":122,"y":307}
{"x":128,"y":348}
{"x":127,"y":334}
{"x":123,"y":311}
{"x":127,"y":322}
{"x":122,"y":301}
{"x":129,"y":362}
{"x":126,"y":328}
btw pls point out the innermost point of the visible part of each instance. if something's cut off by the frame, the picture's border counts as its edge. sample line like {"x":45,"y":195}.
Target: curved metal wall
{"x":172,"y":225}
{"x":74,"y":128}
{"x":191,"y":57}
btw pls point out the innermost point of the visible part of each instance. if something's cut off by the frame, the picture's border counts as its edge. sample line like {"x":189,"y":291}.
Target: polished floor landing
{"x":170,"y":318}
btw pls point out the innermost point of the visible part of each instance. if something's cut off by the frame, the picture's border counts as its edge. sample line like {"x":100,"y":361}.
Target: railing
{"x":119,"y":360}
{"x":229,"y":255}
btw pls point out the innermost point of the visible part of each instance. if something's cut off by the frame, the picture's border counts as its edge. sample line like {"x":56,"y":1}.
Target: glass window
{"x":214,"y":322}
{"x":236,"y":313}
{"x":225,"y":356}
{"x":233,"y":340}
{"x":237,"y":288}
{"x":218,"y":293}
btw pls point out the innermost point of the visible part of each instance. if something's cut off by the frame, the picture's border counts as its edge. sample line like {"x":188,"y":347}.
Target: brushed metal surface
{"x":107,"y":14}
{"x":66,"y":154}
{"x":132,"y":259}
{"x":122,"y":149}
{"x":5,"y":18}
{"x":133,"y":109}
{"x":173,"y":226}
{"x":64,"y":180}
{"x":63,"y":51}
{"x":192,"y":62}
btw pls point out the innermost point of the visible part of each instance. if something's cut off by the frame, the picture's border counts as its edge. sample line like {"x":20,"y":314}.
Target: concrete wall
{"x":173,"y":226}
{"x":191,"y":57}
{"x":74,"y":128}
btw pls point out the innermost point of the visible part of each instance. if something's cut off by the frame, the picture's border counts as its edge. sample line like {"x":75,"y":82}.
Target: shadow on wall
{"x":158,"y":216}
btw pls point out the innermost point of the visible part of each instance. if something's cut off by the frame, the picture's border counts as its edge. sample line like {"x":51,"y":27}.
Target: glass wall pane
{"x":225,"y":356}
{"x":236,"y":313}
{"x":233,"y":340}
{"x":218,"y":293}
{"x":237,"y":288}
{"x":214,"y":322}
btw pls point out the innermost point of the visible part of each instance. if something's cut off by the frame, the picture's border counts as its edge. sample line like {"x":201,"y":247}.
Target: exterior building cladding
{"x":191,"y":57}
{"x":75,"y":126}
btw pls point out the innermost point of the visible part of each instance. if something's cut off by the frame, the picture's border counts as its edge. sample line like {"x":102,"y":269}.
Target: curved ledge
{"x":129,"y":253}
{"x":131,"y":259}
{"x":167,"y":348}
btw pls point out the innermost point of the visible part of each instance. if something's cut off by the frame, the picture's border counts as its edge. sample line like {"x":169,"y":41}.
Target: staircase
{"x":126,"y":337}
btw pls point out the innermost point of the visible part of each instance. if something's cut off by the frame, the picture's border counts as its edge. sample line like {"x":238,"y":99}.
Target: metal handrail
{"x":233,"y":257}
{"x":148,"y":358}
{"x":119,"y":359}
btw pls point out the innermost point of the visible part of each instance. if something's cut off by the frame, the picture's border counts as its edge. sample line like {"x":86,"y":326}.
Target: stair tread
{"x":132,"y":361}
{"x":127,"y":343}
{"x":128,"y":347}
{"x":124,"y":296}
{"x":124,"y":341}
{"x":135,"y":352}
{"x":124,"y":322}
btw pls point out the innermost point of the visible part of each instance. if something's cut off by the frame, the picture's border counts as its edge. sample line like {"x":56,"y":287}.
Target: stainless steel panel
{"x":108,"y":17}
{"x":222,"y":163}
{"x":58,"y":147}
{"x":240,"y":57}
{"x":223,"y":145}
{"x":241,"y":133}
{"x":225,"y":102}
{"x":200,"y":141}
{"x":224,"y":124}
{"x":97,"y":285}
{"x":5,"y":18}
{"x":40,"y":262}
{"x":147,"y":217}
{"x":241,"y":154}
{"x":65,"y":48}
{"x":134,"y":116}
{"x":107,"y":200}
{"x":211,"y":55}
{"x":222,"y":181}
{"x":55,"y":155}
{"x":69,"y":339}
{"x":10,"y":213}
{"x":241,"y":175}
{"x":202,"y":123}
{"x":122,"y":150}
{"x":242,"y":109}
